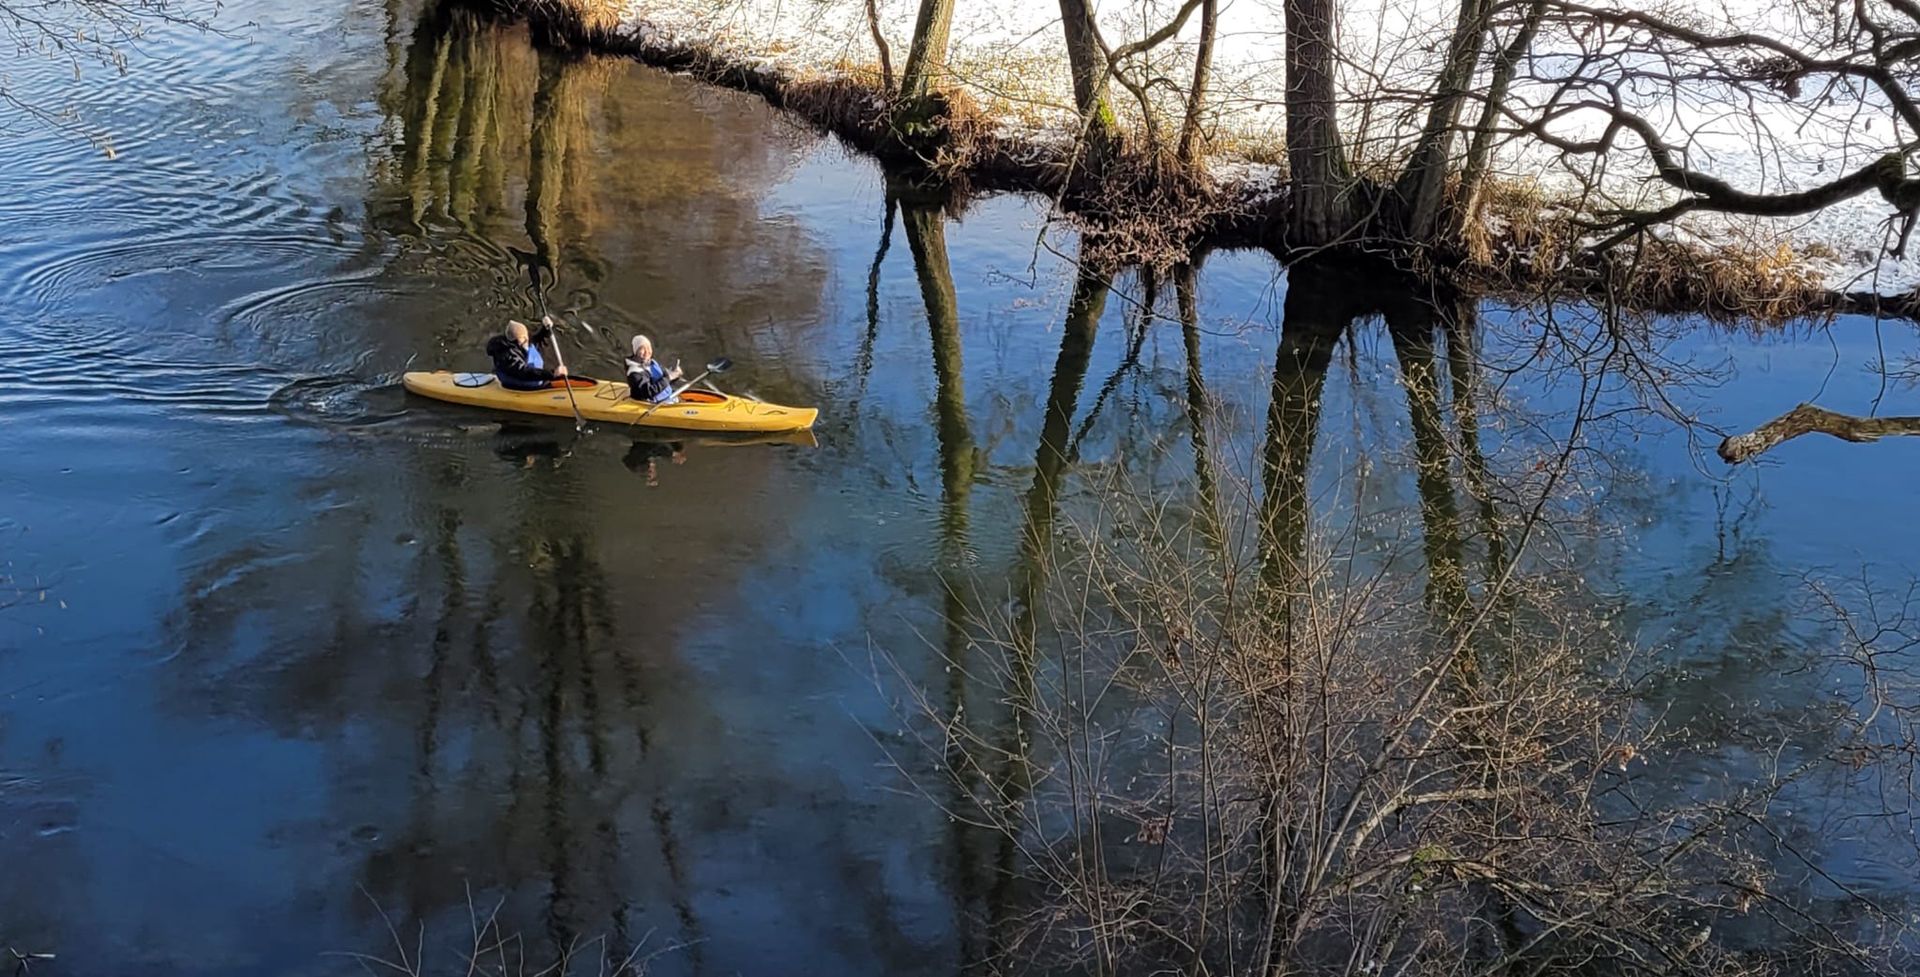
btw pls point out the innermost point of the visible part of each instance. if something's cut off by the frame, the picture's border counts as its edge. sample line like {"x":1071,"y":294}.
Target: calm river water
{"x":285,"y":649}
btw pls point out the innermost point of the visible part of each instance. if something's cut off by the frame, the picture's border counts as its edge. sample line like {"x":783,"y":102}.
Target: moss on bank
{"x":1141,"y":208}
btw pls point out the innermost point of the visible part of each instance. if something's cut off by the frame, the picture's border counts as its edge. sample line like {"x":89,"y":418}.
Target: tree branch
{"x":1808,"y":419}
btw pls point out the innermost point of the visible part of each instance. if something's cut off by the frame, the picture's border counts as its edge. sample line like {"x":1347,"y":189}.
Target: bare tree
{"x":1091,"y":66}
{"x":927,"y":57}
{"x":1396,"y":775}
{"x":1188,"y":151}
{"x":880,"y":46}
{"x":1615,"y":98}
{"x":1473,"y":170}
{"x":1322,"y":205}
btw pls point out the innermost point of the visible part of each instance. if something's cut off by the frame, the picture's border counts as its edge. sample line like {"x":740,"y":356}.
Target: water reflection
{"x":1322,"y":303}
{"x":604,"y":682}
{"x":1428,"y":328}
{"x":500,"y":143}
{"x":1206,"y":475}
{"x":926,"y":236}
{"x":925,"y":229}
{"x":646,"y":456}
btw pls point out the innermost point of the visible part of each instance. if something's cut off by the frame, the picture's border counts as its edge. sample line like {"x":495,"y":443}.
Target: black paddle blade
{"x":720,"y":365}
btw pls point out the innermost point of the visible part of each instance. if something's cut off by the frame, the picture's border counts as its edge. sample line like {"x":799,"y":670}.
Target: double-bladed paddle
{"x":720,"y":364}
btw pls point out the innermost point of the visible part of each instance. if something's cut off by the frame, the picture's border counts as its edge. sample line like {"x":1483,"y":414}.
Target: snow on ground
{"x":1008,"y":54}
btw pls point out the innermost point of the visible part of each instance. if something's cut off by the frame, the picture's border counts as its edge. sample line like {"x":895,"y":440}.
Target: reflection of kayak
{"x":696,"y":410}
{"x":721,"y":439}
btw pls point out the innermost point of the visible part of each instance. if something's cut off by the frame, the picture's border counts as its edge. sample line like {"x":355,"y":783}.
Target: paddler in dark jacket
{"x":647,"y":380}
{"x":517,"y":360}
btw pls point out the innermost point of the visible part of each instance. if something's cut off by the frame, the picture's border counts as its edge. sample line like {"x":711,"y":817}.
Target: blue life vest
{"x":656,"y":376}
{"x":666,"y":392}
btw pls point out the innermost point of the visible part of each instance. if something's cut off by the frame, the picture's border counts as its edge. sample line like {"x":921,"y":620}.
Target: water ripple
{"x":339,"y":400}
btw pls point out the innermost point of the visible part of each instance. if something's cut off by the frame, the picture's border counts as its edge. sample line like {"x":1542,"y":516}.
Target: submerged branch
{"x":1808,"y":419}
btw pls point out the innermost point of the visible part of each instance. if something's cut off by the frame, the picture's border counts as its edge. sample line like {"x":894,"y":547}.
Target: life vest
{"x":651,"y":377}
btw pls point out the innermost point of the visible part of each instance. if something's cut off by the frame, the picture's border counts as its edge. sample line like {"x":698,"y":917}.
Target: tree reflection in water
{"x":500,"y":662}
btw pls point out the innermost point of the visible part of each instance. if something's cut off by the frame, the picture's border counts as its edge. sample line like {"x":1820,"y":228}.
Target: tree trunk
{"x":863,"y":360}
{"x":1424,"y":185}
{"x":927,"y":57}
{"x":927,"y":236}
{"x":553,"y":95}
{"x":1321,"y":211}
{"x":1480,"y":151}
{"x":880,"y":45}
{"x":1088,"y":58}
{"x":1197,"y":95}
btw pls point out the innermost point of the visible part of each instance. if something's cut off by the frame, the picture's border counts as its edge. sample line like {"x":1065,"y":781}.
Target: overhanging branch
{"x":1808,"y":419}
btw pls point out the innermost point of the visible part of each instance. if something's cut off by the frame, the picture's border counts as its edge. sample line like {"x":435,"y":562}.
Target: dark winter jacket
{"x":518,"y":368}
{"x":649,"y":383}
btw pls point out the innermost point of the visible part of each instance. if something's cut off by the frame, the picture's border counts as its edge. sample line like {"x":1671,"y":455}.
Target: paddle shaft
{"x":683,"y":389}
{"x":553,"y":333}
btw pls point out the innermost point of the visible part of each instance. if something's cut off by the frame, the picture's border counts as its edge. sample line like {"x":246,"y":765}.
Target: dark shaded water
{"x":284,"y":645}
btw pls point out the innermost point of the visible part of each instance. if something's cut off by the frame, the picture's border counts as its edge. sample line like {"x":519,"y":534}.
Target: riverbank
{"x":1000,"y":126}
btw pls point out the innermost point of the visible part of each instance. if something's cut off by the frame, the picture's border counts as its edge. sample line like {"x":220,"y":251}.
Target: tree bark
{"x":1088,"y":58}
{"x":1320,"y":177}
{"x":1197,"y":94}
{"x":1424,"y":184}
{"x":1808,"y":419}
{"x":927,"y":57}
{"x":880,"y":45}
{"x":1480,"y":151}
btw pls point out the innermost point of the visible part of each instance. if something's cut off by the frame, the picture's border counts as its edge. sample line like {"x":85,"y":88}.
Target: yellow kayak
{"x":601,"y":400}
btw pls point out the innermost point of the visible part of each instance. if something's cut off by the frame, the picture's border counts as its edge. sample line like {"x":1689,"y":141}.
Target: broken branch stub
{"x":1808,"y":419}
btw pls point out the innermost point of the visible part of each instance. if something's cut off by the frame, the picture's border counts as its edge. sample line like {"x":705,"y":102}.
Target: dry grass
{"x":1530,"y":240}
{"x":1023,"y":89}
{"x":1258,"y":150}
{"x":1765,"y":284}
{"x":584,"y":20}
{"x":1145,"y":209}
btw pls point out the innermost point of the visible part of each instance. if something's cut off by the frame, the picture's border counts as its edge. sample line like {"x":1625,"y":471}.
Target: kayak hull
{"x":609,"y":403}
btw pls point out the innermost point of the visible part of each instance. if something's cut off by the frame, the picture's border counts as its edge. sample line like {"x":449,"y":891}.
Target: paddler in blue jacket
{"x":517,"y":360}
